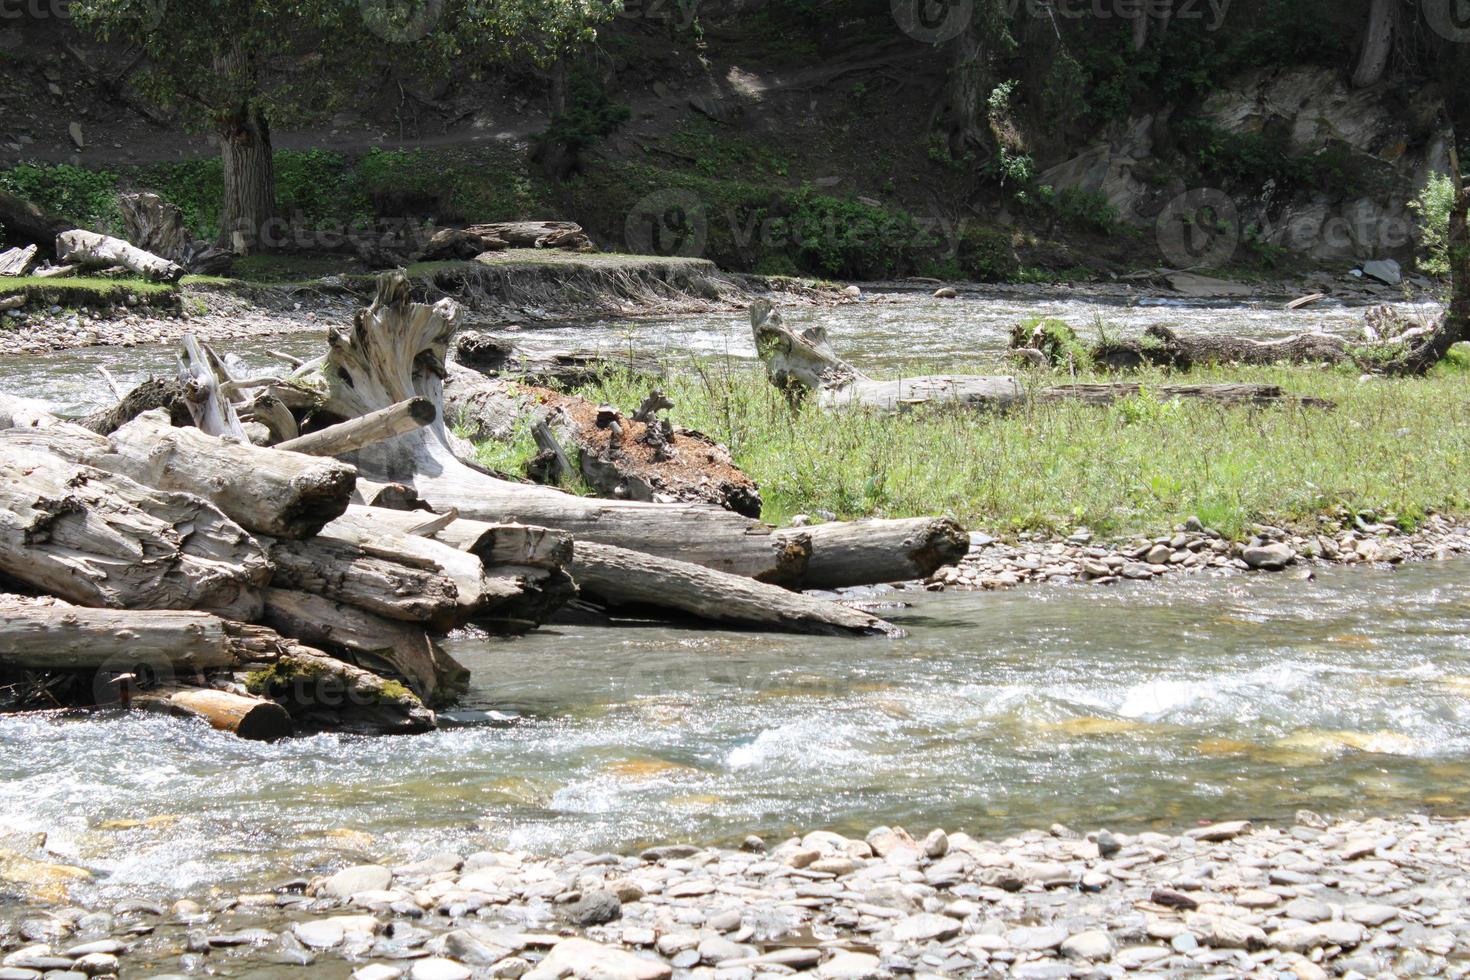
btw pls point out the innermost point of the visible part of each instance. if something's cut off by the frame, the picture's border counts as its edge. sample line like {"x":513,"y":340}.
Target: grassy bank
{"x":1393,"y":447}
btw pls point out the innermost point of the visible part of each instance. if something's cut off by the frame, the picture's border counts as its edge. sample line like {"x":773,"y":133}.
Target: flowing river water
{"x":1128,"y":707}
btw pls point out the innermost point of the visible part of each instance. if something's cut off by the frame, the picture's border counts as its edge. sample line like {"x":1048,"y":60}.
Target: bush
{"x":1433,"y":206}
{"x":87,"y":197}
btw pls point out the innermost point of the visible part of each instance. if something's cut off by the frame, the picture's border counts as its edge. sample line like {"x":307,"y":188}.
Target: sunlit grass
{"x":1392,"y":446}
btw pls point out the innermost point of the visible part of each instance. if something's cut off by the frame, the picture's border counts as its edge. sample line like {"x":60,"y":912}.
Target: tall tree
{"x":1377,"y":43}
{"x":236,"y":66}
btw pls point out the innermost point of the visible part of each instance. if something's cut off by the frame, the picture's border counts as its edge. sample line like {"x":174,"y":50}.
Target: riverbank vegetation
{"x":1390,"y":447}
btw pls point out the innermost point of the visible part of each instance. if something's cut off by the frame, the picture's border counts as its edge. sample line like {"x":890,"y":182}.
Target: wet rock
{"x":584,"y":958}
{"x":362,"y":878}
{"x":1268,"y":557}
{"x":439,"y":968}
{"x":595,"y":908}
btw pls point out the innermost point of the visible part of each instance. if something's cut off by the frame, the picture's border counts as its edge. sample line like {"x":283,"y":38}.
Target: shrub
{"x":87,"y":197}
{"x":1433,"y":206}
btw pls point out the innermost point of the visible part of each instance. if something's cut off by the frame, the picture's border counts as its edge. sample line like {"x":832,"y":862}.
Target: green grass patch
{"x":89,"y":291}
{"x":1141,"y":465}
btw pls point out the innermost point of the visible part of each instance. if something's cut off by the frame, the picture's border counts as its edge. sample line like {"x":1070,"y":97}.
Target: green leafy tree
{"x":235,"y":67}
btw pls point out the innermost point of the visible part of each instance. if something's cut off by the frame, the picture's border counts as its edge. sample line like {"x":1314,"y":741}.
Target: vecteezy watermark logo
{"x":932,"y":21}
{"x":668,"y":223}
{"x":1450,"y":19}
{"x":401,"y":21}
{"x":1199,"y":228}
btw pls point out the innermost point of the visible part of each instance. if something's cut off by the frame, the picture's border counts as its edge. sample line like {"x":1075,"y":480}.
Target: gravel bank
{"x":1350,"y":898}
{"x":1192,"y":549}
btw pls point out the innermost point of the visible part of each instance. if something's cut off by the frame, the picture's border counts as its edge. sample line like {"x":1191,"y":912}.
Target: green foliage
{"x":88,"y":197}
{"x":1073,"y":207}
{"x":1142,"y":464}
{"x":1255,"y":160}
{"x":590,"y":116}
{"x":1433,"y":206}
{"x":717,"y":153}
{"x":195,"y":187}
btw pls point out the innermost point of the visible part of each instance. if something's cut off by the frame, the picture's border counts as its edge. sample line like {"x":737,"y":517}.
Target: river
{"x":1129,"y":707}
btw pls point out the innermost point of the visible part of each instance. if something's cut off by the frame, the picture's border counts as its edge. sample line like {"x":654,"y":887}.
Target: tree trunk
{"x":880,"y":550}
{"x":250,"y":182}
{"x":495,"y":544}
{"x":99,"y":539}
{"x":378,"y":644}
{"x":48,"y":634}
{"x":89,"y":249}
{"x":964,"y":93}
{"x":324,"y":694}
{"x":354,"y":434}
{"x":1377,"y":43}
{"x":243,"y":716}
{"x":380,"y":580}
{"x":496,"y":357}
{"x":621,"y":578}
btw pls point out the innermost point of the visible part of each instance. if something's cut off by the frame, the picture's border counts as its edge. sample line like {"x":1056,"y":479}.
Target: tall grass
{"x":1390,"y":446}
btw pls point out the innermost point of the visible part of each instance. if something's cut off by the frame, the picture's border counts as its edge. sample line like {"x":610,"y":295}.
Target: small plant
{"x":1433,"y":206}
{"x":88,"y":197}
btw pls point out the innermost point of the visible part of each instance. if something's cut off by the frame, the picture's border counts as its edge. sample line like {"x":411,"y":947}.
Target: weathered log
{"x":87,"y":248}
{"x":622,"y":458}
{"x":241,"y":715}
{"x":466,"y":243}
{"x":880,"y":550}
{"x":100,"y":539}
{"x":283,"y":494}
{"x":621,"y":578}
{"x":1162,"y":347}
{"x":204,"y":394}
{"x":395,"y":350}
{"x":382,"y":581}
{"x":375,"y":643}
{"x":352,"y":435}
{"x":323,"y":693}
{"x":804,"y":363}
{"x":504,"y":597}
{"x":25,"y":222}
{"x":1230,"y":393}
{"x":17,"y":261}
{"x":388,"y":496}
{"x":153,"y":224}
{"x":24,"y":413}
{"x":49,"y":634}
{"x":498,"y":357}
{"x":165,"y":393}
{"x":493,"y":544}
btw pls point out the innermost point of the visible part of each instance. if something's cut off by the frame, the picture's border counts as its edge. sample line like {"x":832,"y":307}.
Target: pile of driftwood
{"x":291,"y":555}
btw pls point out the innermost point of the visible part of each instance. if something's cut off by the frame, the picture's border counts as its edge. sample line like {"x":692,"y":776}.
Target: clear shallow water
{"x":1126,"y":707}
{"x":904,"y":330}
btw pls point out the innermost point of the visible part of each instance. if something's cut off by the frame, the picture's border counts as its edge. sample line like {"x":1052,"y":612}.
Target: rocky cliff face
{"x":1372,"y":150}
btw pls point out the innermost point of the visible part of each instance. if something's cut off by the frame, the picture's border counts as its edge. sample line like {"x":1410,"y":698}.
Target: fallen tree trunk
{"x":621,"y":578}
{"x":323,"y":693}
{"x":251,"y":718}
{"x":352,"y":435}
{"x":282,"y":494}
{"x":466,"y":243}
{"x":639,"y":458}
{"x":880,"y":550}
{"x":99,"y":539}
{"x":804,"y":363}
{"x":164,"y":393}
{"x":17,"y":261}
{"x":48,"y":634}
{"x":381,"y":580}
{"x":87,"y":248}
{"x":1162,"y":347}
{"x":25,"y":222}
{"x":374,"y":643}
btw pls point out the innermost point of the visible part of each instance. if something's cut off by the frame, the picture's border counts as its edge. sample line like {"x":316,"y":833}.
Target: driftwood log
{"x":1162,"y":347}
{"x":468,"y":242}
{"x":325,"y":694}
{"x":879,"y":550}
{"x":642,"y":457}
{"x":242,"y":715}
{"x":354,"y":434}
{"x":49,"y":634}
{"x":804,"y":364}
{"x":18,"y":261}
{"x":623,"y":579}
{"x":371,"y":642}
{"x":282,"y":494}
{"x":89,"y":249}
{"x":99,"y":539}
